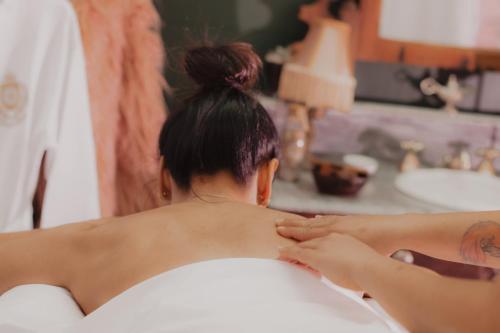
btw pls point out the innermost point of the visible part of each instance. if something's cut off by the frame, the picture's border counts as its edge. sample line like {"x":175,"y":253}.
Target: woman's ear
{"x":265,"y":177}
{"x":165,"y":182}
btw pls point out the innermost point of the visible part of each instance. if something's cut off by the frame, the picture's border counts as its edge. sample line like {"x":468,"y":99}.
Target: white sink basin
{"x":451,"y":189}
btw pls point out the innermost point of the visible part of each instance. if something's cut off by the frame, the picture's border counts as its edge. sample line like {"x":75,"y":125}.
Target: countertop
{"x":376,"y":130}
{"x":378,"y":196}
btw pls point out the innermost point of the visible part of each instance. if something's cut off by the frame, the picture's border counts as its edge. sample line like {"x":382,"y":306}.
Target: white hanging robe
{"x":44,"y":108}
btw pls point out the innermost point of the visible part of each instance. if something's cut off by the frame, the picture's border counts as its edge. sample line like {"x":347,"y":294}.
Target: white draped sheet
{"x":225,"y":295}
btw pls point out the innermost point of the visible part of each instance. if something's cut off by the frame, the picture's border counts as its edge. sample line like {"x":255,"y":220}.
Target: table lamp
{"x":318,"y":77}
{"x":320,"y":74}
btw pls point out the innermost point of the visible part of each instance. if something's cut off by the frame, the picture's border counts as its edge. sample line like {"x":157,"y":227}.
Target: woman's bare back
{"x":120,"y":253}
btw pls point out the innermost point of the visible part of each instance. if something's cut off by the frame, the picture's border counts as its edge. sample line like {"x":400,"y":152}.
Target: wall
{"x":264,"y":23}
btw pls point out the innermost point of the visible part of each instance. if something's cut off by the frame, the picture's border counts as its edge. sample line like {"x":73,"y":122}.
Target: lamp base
{"x":296,"y":141}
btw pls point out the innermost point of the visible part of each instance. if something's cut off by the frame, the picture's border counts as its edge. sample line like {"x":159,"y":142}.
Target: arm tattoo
{"x":481,"y":240}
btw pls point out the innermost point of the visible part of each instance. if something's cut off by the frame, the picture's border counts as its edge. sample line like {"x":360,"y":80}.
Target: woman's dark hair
{"x":221,"y":126}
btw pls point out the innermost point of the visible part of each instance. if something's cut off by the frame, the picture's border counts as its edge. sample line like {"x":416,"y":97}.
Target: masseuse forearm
{"x":463,"y":237}
{"x":425,"y":302}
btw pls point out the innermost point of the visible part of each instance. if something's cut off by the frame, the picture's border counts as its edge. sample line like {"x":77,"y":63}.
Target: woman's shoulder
{"x":266,"y":212}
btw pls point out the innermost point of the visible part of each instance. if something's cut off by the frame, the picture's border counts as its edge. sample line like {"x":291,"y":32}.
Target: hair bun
{"x":233,"y":65}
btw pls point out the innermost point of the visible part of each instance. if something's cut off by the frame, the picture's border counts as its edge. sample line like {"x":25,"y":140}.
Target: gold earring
{"x":165,"y":194}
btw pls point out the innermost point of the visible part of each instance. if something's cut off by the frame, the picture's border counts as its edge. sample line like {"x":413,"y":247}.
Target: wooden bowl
{"x":338,"y":179}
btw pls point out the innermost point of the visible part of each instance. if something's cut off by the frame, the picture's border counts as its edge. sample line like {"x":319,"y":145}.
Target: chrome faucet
{"x":489,"y":155}
{"x":411,"y":161}
{"x":451,"y":94}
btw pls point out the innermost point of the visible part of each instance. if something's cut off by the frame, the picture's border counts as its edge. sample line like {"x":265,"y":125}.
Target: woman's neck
{"x":220,"y":187}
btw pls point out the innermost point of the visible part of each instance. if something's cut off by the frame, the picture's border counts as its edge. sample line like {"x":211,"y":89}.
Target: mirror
{"x":454,"y":23}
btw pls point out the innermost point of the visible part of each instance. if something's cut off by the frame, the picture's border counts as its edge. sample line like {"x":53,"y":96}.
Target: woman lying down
{"x":205,"y":263}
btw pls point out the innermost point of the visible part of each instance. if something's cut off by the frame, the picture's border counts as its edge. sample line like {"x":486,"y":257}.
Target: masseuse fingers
{"x":301,"y":222}
{"x":301,"y":257}
{"x":296,"y":253}
{"x":305,"y":232}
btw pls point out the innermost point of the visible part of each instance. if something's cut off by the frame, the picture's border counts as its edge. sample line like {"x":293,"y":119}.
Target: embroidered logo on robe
{"x":13,"y":99}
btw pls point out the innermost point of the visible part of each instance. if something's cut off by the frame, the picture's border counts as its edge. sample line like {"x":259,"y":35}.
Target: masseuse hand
{"x":379,"y":232}
{"x":340,"y":258}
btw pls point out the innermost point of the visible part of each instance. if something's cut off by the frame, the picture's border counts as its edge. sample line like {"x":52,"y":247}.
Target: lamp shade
{"x":320,"y":75}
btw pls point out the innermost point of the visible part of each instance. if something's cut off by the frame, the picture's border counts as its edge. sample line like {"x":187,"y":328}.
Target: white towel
{"x":44,"y":107}
{"x":234,"y":295}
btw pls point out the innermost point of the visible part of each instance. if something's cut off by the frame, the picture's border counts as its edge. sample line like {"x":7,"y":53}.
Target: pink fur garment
{"x":125,"y":56}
